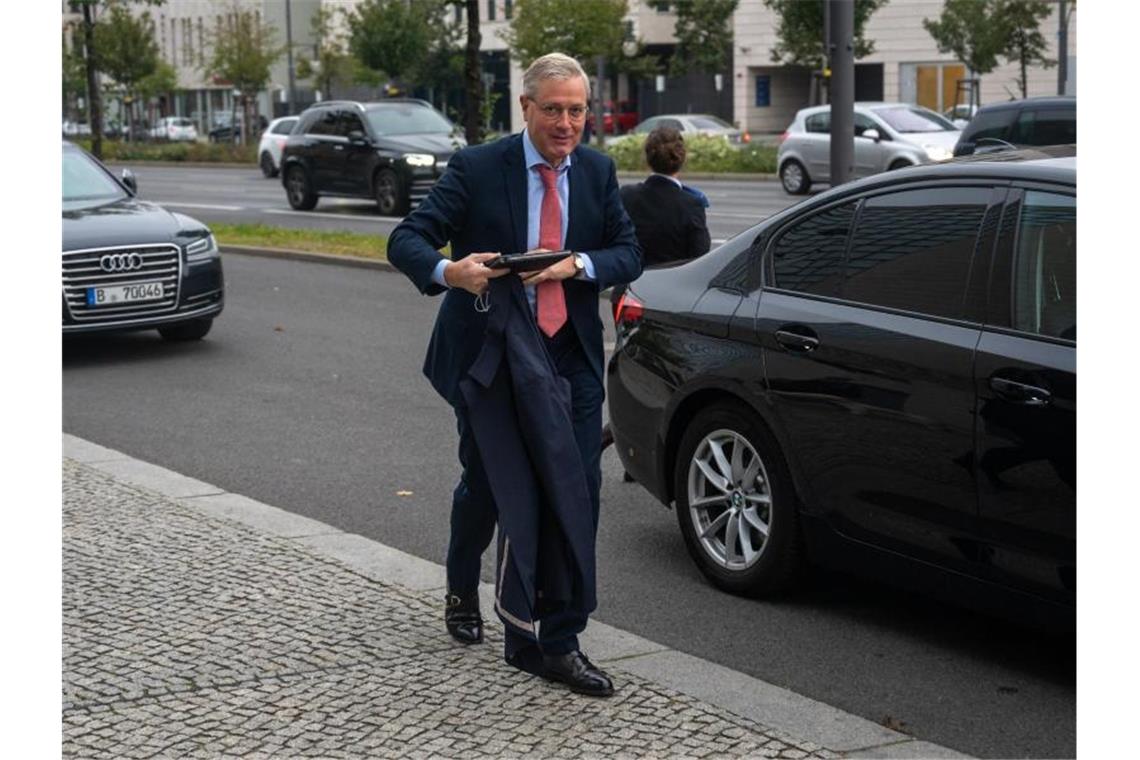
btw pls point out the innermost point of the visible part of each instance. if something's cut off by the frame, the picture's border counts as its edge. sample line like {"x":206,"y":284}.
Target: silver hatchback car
{"x":887,"y":136}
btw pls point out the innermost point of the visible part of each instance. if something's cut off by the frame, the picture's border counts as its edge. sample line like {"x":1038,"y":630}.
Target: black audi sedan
{"x":129,"y":264}
{"x":392,"y":151}
{"x":881,"y":379}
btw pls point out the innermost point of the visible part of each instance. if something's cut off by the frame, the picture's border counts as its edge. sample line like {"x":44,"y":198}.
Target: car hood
{"x":126,"y":222}
{"x":436,"y":143}
{"x":945,"y":139}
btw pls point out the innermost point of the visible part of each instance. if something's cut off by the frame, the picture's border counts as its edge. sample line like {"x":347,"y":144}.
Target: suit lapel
{"x":514,"y":170}
{"x":577,"y":188}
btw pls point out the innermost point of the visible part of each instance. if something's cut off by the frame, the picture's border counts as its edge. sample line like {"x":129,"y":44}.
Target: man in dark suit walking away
{"x":538,"y":190}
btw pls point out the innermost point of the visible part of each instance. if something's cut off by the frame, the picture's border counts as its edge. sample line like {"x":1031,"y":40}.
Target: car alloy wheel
{"x":736,"y":506}
{"x":388,"y":196}
{"x":267,"y":167}
{"x":300,"y":194}
{"x":794,"y":178}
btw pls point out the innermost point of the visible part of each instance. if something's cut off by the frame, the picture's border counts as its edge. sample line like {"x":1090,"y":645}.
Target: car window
{"x":818,"y":122}
{"x":808,"y":257}
{"x":911,"y":250}
{"x":1045,"y":266}
{"x":709,"y":122}
{"x":913,"y":120}
{"x":182,"y":122}
{"x":863,"y":123}
{"x":1046,"y":126}
{"x":351,"y":121}
{"x":647,"y":126}
{"x":407,"y":119}
{"x":284,"y":127}
{"x":674,"y":123}
{"x":85,"y":183}
{"x":325,"y":124}
{"x":990,"y":124}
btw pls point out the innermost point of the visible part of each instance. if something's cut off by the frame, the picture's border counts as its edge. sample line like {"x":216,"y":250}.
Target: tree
{"x":127,"y":53}
{"x":440,"y":68}
{"x":74,"y":79}
{"x":704,"y":34}
{"x":391,"y":36}
{"x":163,"y":79}
{"x":1020,"y":22}
{"x":90,"y":10}
{"x":969,"y":29}
{"x":243,"y":49}
{"x":332,"y":63}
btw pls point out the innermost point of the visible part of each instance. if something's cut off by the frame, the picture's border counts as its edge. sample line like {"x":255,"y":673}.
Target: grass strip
{"x":313,"y":241}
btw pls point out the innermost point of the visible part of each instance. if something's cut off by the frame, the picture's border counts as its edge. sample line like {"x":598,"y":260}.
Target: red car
{"x":626,"y":117}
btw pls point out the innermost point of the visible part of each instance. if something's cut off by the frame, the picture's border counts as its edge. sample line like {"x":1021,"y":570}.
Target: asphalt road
{"x":242,"y":195}
{"x":308,"y":395}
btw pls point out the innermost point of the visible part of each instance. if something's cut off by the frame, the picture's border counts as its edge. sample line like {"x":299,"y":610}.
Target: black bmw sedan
{"x":129,"y":264}
{"x":880,"y":379}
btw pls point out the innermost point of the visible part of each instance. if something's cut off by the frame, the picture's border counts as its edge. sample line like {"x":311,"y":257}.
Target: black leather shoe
{"x":462,"y":617}
{"x":577,"y":672}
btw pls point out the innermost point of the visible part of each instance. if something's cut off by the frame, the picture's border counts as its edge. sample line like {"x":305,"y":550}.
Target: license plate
{"x":130,"y":293}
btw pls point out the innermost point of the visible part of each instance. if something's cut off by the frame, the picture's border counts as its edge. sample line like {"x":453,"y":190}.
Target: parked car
{"x":272,"y":141}
{"x":129,"y":264}
{"x":887,"y":136}
{"x":694,"y":124}
{"x":1020,"y":123}
{"x":617,"y":119}
{"x":174,"y":129}
{"x":224,"y":130}
{"x":76,"y":128}
{"x":393,"y":151}
{"x":960,"y":114}
{"x":881,"y":379}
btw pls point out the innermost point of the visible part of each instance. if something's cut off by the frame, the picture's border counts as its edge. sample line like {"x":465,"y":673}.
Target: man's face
{"x":552,"y":129}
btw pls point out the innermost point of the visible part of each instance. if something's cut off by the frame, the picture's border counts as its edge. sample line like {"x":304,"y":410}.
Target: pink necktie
{"x":550,"y":299}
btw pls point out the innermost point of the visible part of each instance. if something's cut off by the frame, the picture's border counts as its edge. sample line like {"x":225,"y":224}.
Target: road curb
{"x":309,"y":256}
{"x":741,"y":694}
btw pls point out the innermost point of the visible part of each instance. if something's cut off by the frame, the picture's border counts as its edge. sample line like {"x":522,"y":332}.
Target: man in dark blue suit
{"x":537,"y":190}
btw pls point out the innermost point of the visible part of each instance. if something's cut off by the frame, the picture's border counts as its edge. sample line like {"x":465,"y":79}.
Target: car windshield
{"x":182,"y":122}
{"x":85,"y":183}
{"x":709,"y":122}
{"x":406,"y":119}
{"x":910,"y":119}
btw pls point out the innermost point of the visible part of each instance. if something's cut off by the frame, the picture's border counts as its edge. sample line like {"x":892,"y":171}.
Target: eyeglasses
{"x":554,"y":112}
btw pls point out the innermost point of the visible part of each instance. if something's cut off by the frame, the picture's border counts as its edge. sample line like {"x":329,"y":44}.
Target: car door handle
{"x":338,"y":147}
{"x":1020,"y":393}
{"x":794,"y":341}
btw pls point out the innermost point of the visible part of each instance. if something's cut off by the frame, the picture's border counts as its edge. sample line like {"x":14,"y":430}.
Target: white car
{"x":887,"y":136}
{"x":689,"y":124}
{"x":272,"y":141}
{"x":174,"y":128}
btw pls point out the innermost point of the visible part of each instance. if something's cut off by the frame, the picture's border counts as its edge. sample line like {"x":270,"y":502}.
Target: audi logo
{"x":121,"y":262}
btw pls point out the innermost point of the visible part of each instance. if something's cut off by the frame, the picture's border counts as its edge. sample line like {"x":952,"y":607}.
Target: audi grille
{"x":99,"y":267}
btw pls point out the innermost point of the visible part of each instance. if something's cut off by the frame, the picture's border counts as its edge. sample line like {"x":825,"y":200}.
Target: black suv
{"x":1019,"y":124}
{"x":392,"y":151}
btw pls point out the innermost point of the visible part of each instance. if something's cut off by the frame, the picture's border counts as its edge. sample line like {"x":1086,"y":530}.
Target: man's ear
{"x":522,"y":105}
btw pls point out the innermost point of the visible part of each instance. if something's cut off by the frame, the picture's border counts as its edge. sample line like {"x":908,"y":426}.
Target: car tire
{"x":195,"y":329}
{"x":267,"y":167}
{"x":794,"y":177}
{"x":299,"y":189}
{"x":725,"y":531}
{"x":389,"y":198}
{"x":899,"y":163}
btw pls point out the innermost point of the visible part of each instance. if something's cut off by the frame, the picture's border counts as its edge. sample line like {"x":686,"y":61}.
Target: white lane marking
{"x":734,"y":216}
{"x":718,"y":241}
{"x":342,"y":217}
{"x":180,"y":204}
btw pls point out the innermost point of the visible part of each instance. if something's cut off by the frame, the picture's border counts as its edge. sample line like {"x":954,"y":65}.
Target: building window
{"x":174,"y":42}
{"x":201,"y":43}
{"x":162,"y":36}
{"x":458,"y":15}
{"x":508,"y":9}
{"x":490,"y":10}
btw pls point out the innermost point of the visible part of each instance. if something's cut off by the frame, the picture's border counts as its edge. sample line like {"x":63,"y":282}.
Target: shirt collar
{"x":674,"y":180}
{"x":534,"y":158}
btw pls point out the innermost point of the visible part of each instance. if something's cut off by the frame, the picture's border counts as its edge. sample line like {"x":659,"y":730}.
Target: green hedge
{"x":705,"y":154}
{"x":117,"y":150}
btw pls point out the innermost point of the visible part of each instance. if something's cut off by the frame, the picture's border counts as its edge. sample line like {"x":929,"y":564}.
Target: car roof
{"x":1041,"y":100}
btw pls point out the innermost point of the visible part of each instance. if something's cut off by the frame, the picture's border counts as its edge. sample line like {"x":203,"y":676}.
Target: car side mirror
{"x":872,"y":134}
{"x":128,"y":179}
{"x":357,"y":137}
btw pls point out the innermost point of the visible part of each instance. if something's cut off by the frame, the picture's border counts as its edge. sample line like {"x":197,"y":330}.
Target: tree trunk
{"x":1024,"y":73}
{"x":473,"y":78}
{"x":94,"y":100}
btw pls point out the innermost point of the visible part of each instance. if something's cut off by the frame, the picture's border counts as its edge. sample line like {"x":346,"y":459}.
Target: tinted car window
{"x":350,"y":121}
{"x":819,"y":122}
{"x":1045,"y":266}
{"x":808,"y":257}
{"x":1047,"y":126}
{"x":911,"y":250}
{"x":325,"y":124}
{"x":993,"y":124}
{"x":285,"y":127}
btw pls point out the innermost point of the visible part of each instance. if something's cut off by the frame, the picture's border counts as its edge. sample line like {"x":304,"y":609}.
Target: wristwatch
{"x":579,"y":264}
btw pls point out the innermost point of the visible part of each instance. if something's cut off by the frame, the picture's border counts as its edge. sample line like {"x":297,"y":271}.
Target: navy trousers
{"x":473,"y":512}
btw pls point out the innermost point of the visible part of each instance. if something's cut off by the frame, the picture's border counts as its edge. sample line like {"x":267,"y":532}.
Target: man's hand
{"x":470,"y":274}
{"x":559,"y":270}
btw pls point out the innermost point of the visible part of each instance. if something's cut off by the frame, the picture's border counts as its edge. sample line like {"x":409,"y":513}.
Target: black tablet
{"x":528,"y":262}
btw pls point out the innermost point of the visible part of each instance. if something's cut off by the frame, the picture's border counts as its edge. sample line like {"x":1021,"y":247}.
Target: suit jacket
{"x":520,"y":413}
{"x":480,"y":204}
{"x":670,"y":222}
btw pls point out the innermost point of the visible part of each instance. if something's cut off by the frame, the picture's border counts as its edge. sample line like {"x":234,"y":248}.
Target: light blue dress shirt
{"x":534,"y":193}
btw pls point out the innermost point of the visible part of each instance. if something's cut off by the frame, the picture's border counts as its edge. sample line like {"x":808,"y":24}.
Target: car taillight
{"x":746,"y":138}
{"x":628,"y":310}
{"x":783,"y":136}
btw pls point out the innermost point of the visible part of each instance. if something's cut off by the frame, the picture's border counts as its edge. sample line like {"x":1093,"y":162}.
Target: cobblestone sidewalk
{"x":187,"y":635}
